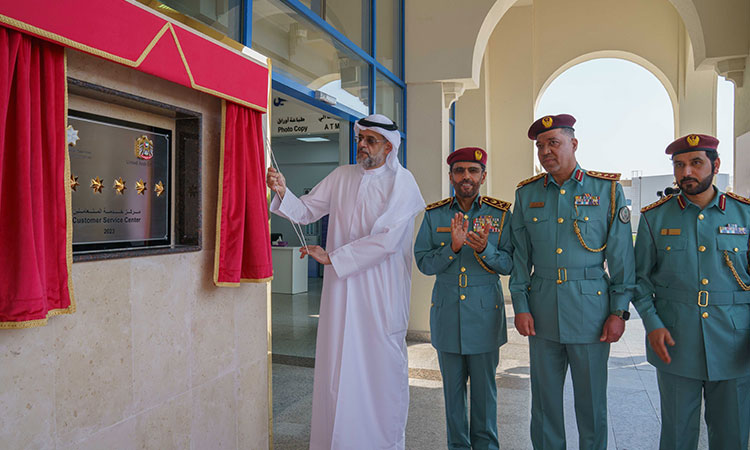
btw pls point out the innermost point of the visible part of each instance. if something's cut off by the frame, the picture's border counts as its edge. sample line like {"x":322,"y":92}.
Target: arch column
{"x":427,"y":118}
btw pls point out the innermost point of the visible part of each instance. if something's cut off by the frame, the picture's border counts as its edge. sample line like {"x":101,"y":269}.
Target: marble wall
{"x":155,"y":356}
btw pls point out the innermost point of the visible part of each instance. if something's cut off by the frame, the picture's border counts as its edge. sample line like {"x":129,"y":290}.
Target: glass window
{"x":301,"y":50}
{"x":350,"y":17}
{"x":389,"y":101}
{"x":389,"y":35}
{"x":221,"y":15}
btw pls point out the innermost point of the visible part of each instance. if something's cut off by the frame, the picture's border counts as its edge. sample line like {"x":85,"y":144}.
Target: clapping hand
{"x":459,"y":231}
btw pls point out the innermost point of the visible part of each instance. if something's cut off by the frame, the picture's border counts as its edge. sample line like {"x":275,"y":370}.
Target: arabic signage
{"x":119,"y":182}
{"x":292,"y":119}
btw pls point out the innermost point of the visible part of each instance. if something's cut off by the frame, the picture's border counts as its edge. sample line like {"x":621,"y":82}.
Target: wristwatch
{"x":622,"y":314}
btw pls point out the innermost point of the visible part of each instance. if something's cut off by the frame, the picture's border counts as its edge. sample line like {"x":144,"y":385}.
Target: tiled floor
{"x":633,"y":393}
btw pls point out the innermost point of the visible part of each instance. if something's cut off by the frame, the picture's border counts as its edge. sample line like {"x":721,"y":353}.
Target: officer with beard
{"x":694,"y":297}
{"x":465,"y":241}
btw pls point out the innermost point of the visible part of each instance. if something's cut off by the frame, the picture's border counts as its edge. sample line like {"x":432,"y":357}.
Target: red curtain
{"x":35,"y":232}
{"x":243,"y":242}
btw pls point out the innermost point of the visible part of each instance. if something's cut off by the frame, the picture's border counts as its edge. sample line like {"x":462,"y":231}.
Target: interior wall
{"x":511,"y":101}
{"x":472,"y":111}
{"x":155,"y":356}
{"x":304,"y":165}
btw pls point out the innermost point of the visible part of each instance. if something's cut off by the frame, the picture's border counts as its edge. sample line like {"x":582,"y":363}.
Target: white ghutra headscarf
{"x":385,"y":127}
{"x":406,"y":200}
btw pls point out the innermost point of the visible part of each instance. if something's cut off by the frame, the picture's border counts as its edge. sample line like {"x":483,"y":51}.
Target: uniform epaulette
{"x":531,"y":180}
{"x":603,"y":175}
{"x":739,"y":198}
{"x":495,"y":203}
{"x":438,"y":204}
{"x":656,"y":203}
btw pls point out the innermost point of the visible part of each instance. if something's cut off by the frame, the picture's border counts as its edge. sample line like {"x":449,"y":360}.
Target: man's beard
{"x":370,"y":161}
{"x":460,"y":192}
{"x":699,"y":188}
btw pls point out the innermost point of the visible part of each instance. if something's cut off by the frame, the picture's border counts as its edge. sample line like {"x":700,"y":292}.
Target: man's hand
{"x":657,"y":339}
{"x":524,"y":323}
{"x":613,"y":329}
{"x":317,"y":253}
{"x":478,"y":241}
{"x":276,"y":181}
{"x":459,"y":228}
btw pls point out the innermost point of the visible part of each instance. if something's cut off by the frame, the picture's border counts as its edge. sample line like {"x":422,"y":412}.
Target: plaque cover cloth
{"x":35,"y":242}
{"x":134,"y":35}
{"x":243,"y":241}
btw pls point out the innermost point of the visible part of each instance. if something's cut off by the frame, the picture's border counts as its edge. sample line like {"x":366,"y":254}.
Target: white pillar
{"x":428,"y":146}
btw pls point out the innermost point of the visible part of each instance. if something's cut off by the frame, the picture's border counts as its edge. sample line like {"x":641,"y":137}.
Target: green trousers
{"x":549,"y":362}
{"x":727,"y":412}
{"x":456,"y":369}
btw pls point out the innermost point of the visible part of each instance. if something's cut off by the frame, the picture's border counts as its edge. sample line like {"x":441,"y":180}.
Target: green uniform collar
{"x":716,"y":202}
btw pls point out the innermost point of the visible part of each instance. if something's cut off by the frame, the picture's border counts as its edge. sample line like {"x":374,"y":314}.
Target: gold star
{"x":74,"y":182}
{"x":119,"y":185}
{"x":140,"y":186}
{"x":159,"y":189}
{"x":97,"y":185}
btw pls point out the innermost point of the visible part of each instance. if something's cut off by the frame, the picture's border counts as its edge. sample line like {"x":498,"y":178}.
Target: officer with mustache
{"x":566,"y":223}
{"x":465,"y":242}
{"x":693,"y":295}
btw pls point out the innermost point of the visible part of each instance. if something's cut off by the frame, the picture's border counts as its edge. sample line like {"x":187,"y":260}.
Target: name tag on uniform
{"x":536,"y":205}
{"x":443,"y":229}
{"x":670,"y":231}
{"x":587,"y":200}
{"x":732,"y":228}
{"x":481,"y":221}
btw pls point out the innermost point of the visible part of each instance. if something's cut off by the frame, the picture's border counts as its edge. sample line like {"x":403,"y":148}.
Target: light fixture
{"x":313,"y":139}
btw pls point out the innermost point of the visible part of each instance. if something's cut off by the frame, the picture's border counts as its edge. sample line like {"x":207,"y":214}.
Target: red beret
{"x":547,"y":123}
{"x":692,"y":143}
{"x":468,"y":154}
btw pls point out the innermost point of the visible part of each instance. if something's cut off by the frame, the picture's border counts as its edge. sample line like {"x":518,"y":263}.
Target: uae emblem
{"x":547,"y":122}
{"x":144,"y":148}
{"x":693,"y":140}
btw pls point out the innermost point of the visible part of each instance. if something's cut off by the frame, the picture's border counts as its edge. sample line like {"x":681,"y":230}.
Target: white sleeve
{"x":305,"y":209}
{"x":371,"y":250}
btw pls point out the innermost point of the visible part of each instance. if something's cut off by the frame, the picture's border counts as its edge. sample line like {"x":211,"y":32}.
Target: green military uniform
{"x":686,"y":284}
{"x":564,"y":233}
{"x":467,"y":315}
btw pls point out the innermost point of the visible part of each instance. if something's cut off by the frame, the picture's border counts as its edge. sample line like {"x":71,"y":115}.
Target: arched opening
{"x":625,"y":114}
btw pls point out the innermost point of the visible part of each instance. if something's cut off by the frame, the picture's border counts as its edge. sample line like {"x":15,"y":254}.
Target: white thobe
{"x":361,"y":387}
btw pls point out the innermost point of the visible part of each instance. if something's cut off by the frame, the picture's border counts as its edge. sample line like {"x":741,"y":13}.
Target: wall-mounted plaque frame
{"x":121,"y":182}
{"x":183,"y":189}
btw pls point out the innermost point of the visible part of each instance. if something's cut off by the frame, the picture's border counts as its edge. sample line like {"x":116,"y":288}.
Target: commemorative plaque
{"x":120,"y":183}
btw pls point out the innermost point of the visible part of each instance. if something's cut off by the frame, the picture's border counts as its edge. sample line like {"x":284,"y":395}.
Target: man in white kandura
{"x":361,"y":387}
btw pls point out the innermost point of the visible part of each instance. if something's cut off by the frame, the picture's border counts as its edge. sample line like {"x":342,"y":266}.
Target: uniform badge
{"x":670,"y":231}
{"x":693,"y":140}
{"x":624,"y":214}
{"x":547,"y":121}
{"x":481,"y":221}
{"x":144,"y":148}
{"x":587,"y":200}
{"x":478,"y":155}
{"x":733,"y":228}
{"x":536,"y":205}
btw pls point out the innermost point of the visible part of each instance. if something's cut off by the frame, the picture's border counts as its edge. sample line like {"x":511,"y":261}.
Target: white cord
{"x":295,"y":226}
